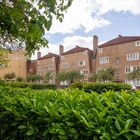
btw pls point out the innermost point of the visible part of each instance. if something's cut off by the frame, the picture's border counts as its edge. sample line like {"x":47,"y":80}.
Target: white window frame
{"x":137,"y":43}
{"x":84,"y":72}
{"x":100,"y":50}
{"x":131,"y":68}
{"x":133,"y":56}
{"x":104,"y":60}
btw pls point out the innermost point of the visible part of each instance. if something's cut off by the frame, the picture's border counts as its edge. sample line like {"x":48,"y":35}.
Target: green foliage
{"x":29,"y":85}
{"x":63,"y":114}
{"x":19,"y":79}
{"x":49,"y":75}
{"x":24,"y":22}
{"x":9,"y":76}
{"x":104,"y":75}
{"x":100,"y":87}
{"x":134,"y":75}
{"x":71,"y":76}
{"x":78,"y":85}
{"x":34,"y":78}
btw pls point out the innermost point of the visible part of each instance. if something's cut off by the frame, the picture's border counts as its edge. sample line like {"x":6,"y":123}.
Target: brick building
{"x":16,"y":64}
{"x":122,"y":54}
{"x":78,"y":58}
{"x":48,"y":64}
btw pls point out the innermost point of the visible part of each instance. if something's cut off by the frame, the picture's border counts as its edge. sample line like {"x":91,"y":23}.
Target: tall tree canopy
{"x":24,"y":22}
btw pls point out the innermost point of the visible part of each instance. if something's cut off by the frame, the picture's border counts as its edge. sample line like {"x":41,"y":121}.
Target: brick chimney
{"x":61,"y":49}
{"x":38,"y":55}
{"x":95,"y":42}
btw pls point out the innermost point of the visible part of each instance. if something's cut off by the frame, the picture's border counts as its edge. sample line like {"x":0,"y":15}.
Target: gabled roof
{"x":120,"y":40}
{"x":76,"y":50}
{"x":49,"y":55}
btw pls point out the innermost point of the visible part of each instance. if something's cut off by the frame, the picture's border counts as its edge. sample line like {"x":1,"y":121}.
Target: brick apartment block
{"x":48,"y":64}
{"x":77,"y":58}
{"x":122,"y":54}
{"x":16,"y":63}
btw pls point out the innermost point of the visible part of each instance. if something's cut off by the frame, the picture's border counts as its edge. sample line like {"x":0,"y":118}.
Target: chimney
{"x":38,"y":55}
{"x":95,"y":42}
{"x":61,"y":49}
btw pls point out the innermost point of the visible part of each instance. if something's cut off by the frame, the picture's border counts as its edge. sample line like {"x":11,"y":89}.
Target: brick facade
{"x":16,"y":63}
{"x":115,"y":54}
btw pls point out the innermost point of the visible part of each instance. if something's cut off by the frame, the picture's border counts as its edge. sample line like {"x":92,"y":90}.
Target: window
{"x":127,"y":69}
{"x":136,"y":82}
{"x":85,"y":72}
{"x":137,"y":43}
{"x":131,"y":68}
{"x":117,"y":61}
{"x":104,"y":60}
{"x":82,"y":63}
{"x":133,"y":56}
{"x":100,"y":50}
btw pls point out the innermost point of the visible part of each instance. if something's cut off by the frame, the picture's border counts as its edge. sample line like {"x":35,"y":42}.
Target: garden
{"x":89,"y":111}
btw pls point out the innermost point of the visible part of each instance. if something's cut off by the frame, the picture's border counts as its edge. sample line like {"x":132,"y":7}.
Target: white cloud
{"x":79,"y":15}
{"x":132,"y":6}
{"x":88,"y":14}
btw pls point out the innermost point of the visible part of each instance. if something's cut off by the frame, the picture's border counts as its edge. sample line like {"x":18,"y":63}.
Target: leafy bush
{"x":100,"y":87}
{"x":30,"y":85}
{"x":64,"y":114}
{"x":78,"y":85}
{"x":2,"y":83}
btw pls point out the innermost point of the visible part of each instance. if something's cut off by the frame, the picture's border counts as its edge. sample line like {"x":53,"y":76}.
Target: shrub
{"x":78,"y":85}
{"x":68,"y":114}
{"x":30,"y":85}
{"x":102,"y":87}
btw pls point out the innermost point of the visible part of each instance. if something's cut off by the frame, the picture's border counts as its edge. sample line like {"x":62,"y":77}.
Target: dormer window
{"x":137,"y":43}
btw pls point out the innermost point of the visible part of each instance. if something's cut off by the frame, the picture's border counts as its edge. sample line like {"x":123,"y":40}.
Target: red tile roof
{"x":120,"y":40}
{"x":75,"y":50}
{"x":49,"y":55}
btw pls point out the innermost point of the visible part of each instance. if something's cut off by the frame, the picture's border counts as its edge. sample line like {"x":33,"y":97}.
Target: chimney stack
{"x":38,"y":55}
{"x":95,"y":42}
{"x":61,"y":49}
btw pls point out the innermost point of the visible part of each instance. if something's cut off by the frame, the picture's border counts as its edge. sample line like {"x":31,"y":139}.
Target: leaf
{"x":117,"y":124}
{"x":22,"y":127}
{"x":136,"y":132}
{"x":30,"y":132}
{"x":128,"y":123}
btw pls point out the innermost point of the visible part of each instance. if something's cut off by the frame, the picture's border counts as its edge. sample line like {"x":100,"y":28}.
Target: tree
{"x":34,"y":78}
{"x":24,"y":22}
{"x":135,"y":74}
{"x":70,"y":76}
{"x":49,"y":75}
{"x":9,"y":76}
{"x":104,"y":75}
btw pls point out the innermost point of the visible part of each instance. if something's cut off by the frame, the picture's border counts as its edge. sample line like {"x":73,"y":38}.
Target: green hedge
{"x":29,"y":85}
{"x":68,"y":114}
{"x":100,"y":87}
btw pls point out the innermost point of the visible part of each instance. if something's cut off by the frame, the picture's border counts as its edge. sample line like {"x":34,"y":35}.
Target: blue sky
{"x":105,"y":18}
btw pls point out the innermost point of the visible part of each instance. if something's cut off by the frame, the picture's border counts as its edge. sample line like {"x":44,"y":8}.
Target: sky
{"x":85,"y":18}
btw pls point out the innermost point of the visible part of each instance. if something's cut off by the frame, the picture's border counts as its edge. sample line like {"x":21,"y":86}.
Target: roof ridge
{"x":120,"y":40}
